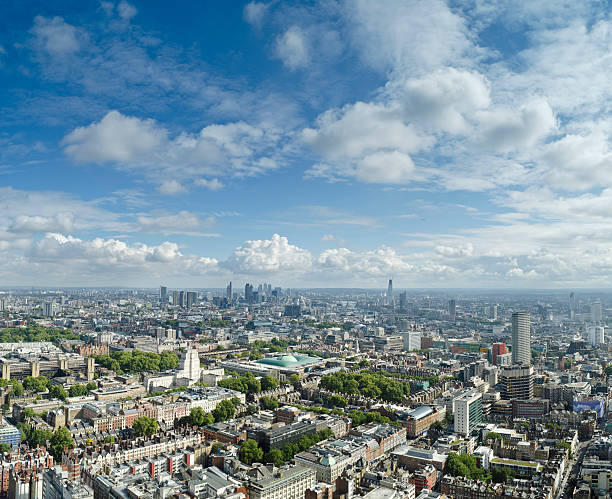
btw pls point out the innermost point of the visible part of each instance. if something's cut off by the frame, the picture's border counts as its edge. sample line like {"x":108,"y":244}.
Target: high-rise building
{"x":596,"y":312}
{"x":248,"y":292}
{"x":516,"y":382}
{"x":190,"y":298}
{"x":163,"y":294}
{"x":228,"y":291}
{"x":176,"y":298}
{"x":596,"y":335}
{"x":521,"y":338}
{"x":390,"y":292}
{"x":403,"y":302}
{"x":48,"y":310}
{"x":412,"y":340}
{"x":494,"y":312}
{"x":497,"y":349}
{"x":452,"y":309}
{"x":468,"y":411}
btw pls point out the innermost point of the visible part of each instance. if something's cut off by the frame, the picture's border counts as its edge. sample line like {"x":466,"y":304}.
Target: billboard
{"x":596,"y":405}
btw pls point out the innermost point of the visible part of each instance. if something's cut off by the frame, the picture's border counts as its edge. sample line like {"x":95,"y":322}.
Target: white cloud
{"x":171,"y":188}
{"x":408,"y":36}
{"x":271,"y":255}
{"x":233,"y":149}
{"x":212,"y":184}
{"x":455,"y":251}
{"x":385,"y":168}
{"x":57,"y":37}
{"x":254,"y":13}
{"x":62,"y":222}
{"x":115,"y":138}
{"x":292,"y":48}
{"x":443,"y":98}
{"x":363,"y":128}
{"x":126,"y":10}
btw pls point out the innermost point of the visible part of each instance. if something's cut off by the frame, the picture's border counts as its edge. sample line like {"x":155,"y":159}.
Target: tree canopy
{"x":136,"y":361}
{"x":145,"y":426}
{"x":368,"y":384}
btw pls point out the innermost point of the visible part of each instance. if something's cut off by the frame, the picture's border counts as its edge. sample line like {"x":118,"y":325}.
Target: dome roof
{"x":288,"y":358}
{"x":328,"y":460}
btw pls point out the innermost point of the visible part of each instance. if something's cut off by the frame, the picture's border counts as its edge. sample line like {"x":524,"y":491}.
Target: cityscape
{"x":305,"y":249}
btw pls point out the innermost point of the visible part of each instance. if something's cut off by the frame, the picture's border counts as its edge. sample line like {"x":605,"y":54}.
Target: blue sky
{"x":323,"y":143}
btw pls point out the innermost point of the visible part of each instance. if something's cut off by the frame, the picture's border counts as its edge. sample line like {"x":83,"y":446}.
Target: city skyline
{"x":329,"y":144}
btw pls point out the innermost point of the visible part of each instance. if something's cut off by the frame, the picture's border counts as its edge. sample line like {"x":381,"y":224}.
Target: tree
{"x":200,"y":418}
{"x":275,"y":456}
{"x":252,"y":409}
{"x":57,"y":392}
{"x":437,"y":426}
{"x":17,"y":389}
{"x":4,"y":448}
{"x":78,"y":390}
{"x":250,"y":452}
{"x":268,"y":383}
{"x":608,"y":370}
{"x":145,"y":426}
{"x":91,"y":386}
{"x":336,"y":401}
{"x":225,"y":410}
{"x":60,"y":439}
{"x":268,"y":403}
{"x":294,"y":379}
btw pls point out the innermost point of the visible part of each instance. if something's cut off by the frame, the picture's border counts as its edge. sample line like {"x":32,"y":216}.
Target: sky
{"x":306,"y":144}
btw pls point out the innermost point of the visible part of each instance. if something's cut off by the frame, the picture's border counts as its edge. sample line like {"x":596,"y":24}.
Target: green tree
{"x":4,"y":448}
{"x":268,"y":403}
{"x":294,"y":379}
{"x":250,"y":452}
{"x":225,"y":410}
{"x":268,"y":383}
{"x":17,"y":389}
{"x":608,"y":370}
{"x":337,"y":401}
{"x":200,"y":418}
{"x":145,"y":426}
{"x":61,"y":439}
{"x":91,"y":386}
{"x":57,"y":392}
{"x":275,"y":456}
{"x":78,"y":390}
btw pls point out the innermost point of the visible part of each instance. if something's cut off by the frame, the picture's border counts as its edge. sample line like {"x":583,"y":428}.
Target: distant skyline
{"x":333,"y":144}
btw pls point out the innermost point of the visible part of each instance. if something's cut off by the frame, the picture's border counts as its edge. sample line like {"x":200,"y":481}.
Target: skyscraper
{"x":468,"y":412}
{"x":248,"y":292}
{"x":390,"y":292}
{"x":163,"y":294}
{"x":452,"y":309}
{"x":596,"y":313}
{"x":521,"y":338}
{"x":596,"y":335}
{"x":228,"y":291}
{"x":516,"y":382}
{"x":497,"y":349}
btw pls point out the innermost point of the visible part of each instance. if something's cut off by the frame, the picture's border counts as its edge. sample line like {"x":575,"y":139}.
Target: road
{"x":573,"y":468}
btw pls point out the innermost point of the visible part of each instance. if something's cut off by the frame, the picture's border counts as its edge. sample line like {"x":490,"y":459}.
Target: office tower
{"x":163,"y":294}
{"x":248,"y":292}
{"x":390,"y":291}
{"x":182,"y":299}
{"x":176,"y":298}
{"x":494,"y":312}
{"x":190,"y":298}
{"x":412,"y":340}
{"x":468,"y":412}
{"x":403,"y":302}
{"x":596,"y":335}
{"x":228,"y":291}
{"x":572,"y":305}
{"x":497,"y":349}
{"x":521,"y":338}
{"x":596,"y":313}
{"x":452,"y":309}
{"x":48,"y":309}
{"x":516,"y":382}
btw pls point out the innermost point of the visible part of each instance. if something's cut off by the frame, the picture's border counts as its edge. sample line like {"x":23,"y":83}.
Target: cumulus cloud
{"x":270,"y":255}
{"x":254,"y":13}
{"x":126,"y":10}
{"x":171,"y":188}
{"x":505,"y":129}
{"x":212,"y":184}
{"x":56,"y":37}
{"x":455,"y":251}
{"x":442,"y":99}
{"x":25,"y":224}
{"x":292,"y":48}
{"x":232,"y":149}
